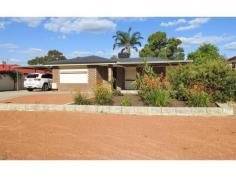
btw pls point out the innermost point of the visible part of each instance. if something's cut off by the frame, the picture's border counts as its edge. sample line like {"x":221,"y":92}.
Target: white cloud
{"x":67,"y":25}
{"x":192,"y":24}
{"x":8,"y":46}
{"x":230,"y":46}
{"x":62,"y":37}
{"x":30,"y":21}
{"x":173,"y":23}
{"x":199,"y":39}
{"x":78,"y":53}
{"x":34,"y":52}
{"x":14,"y":61}
{"x":128,"y":18}
{"x":101,"y":53}
{"x":2,"y":25}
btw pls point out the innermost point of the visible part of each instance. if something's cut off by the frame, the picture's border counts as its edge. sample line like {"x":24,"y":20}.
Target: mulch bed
{"x":137,"y":101}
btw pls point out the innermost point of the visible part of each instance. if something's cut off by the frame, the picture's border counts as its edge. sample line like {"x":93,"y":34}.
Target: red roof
{"x":5,"y":67}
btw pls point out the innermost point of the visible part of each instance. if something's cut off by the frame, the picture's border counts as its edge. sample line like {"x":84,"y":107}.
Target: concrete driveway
{"x":13,"y":94}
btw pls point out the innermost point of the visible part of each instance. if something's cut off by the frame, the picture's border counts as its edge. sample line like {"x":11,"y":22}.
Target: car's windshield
{"x":32,"y":76}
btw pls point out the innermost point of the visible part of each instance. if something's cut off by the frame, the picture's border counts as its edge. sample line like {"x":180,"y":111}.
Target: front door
{"x":130,"y":76}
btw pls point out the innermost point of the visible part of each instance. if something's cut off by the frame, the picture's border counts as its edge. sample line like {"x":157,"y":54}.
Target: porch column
{"x":110,"y":73}
{"x":110,"y":76}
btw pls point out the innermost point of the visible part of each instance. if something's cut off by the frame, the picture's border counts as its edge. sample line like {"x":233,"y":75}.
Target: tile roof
{"x":100,"y":60}
{"x":81,"y":60}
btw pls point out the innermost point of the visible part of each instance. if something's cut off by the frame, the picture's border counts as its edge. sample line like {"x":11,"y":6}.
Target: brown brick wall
{"x":102,"y":74}
{"x":55,"y":74}
{"x":92,"y":80}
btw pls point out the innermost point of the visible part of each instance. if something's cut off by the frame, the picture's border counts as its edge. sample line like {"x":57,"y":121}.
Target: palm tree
{"x":127,"y":41}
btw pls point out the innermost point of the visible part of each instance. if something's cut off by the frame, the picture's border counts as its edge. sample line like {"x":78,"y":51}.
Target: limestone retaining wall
{"x":223,"y":110}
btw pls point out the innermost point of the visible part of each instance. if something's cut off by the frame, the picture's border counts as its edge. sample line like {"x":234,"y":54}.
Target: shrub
{"x":117,"y":93}
{"x":150,"y":83}
{"x":216,"y":78}
{"x":81,"y":100}
{"x":181,"y":93}
{"x":199,"y":99}
{"x":125,"y":101}
{"x":103,"y":95}
{"x":158,"y":97}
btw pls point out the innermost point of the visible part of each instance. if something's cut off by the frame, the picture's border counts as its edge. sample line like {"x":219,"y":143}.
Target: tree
{"x":206,"y":52}
{"x":160,"y":46}
{"x":127,"y":41}
{"x":52,"y":55}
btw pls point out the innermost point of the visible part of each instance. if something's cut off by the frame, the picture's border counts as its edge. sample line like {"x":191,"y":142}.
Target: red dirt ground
{"x":43,"y":98}
{"x":73,"y":135}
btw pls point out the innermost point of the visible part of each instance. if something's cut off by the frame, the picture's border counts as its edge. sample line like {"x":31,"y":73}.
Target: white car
{"x":38,"y":81}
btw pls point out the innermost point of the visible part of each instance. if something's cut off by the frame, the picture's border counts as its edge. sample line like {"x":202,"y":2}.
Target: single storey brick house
{"x":84,"y":73}
{"x":232,"y":62}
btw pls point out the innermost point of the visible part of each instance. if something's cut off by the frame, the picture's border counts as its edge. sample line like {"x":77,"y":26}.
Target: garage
{"x":68,"y":76}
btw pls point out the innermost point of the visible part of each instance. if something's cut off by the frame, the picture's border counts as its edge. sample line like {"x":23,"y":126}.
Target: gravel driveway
{"x":74,"y":135}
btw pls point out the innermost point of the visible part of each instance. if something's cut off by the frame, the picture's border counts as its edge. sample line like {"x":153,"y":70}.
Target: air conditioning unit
{"x":54,"y":86}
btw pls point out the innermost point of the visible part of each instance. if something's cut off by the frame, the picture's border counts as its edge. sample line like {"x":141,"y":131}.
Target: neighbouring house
{"x":232,"y":62}
{"x":7,"y":83}
{"x":14,"y":67}
{"x":84,"y":73}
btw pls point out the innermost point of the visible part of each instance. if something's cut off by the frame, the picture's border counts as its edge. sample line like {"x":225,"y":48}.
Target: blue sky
{"x":22,"y":39}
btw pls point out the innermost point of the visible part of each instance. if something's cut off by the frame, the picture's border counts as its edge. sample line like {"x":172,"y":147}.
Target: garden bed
{"x":137,"y":101}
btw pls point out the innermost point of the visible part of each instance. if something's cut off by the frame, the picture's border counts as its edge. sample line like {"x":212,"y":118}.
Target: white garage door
{"x":74,"y":76}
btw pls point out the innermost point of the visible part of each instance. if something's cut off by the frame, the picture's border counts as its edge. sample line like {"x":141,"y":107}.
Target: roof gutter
{"x":157,"y":62}
{"x":105,"y":64}
{"x":81,"y":64}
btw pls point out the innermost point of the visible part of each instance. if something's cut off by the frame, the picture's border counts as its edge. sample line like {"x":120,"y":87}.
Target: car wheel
{"x":45,"y":87}
{"x":30,"y":89}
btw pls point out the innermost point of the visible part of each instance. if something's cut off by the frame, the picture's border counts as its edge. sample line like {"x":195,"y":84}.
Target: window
{"x":47,"y":76}
{"x":74,"y":76}
{"x":50,"y":76}
{"x":32,"y":76}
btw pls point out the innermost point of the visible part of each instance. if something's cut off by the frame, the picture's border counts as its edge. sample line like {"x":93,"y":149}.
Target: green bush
{"x":81,"y":100}
{"x":199,"y":99}
{"x":159,"y":97}
{"x":125,"y":101}
{"x":103,"y":95}
{"x":217,"y":76}
{"x":181,"y":93}
{"x":117,"y":93}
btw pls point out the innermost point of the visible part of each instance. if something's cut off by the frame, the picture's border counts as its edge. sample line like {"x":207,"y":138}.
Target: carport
{"x":30,"y":69}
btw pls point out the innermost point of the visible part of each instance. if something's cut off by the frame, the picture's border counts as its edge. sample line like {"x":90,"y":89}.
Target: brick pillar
{"x":110,"y":76}
{"x":110,"y":73}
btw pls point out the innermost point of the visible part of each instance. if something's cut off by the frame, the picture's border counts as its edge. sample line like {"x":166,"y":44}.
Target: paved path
{"x":233,"y":104}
